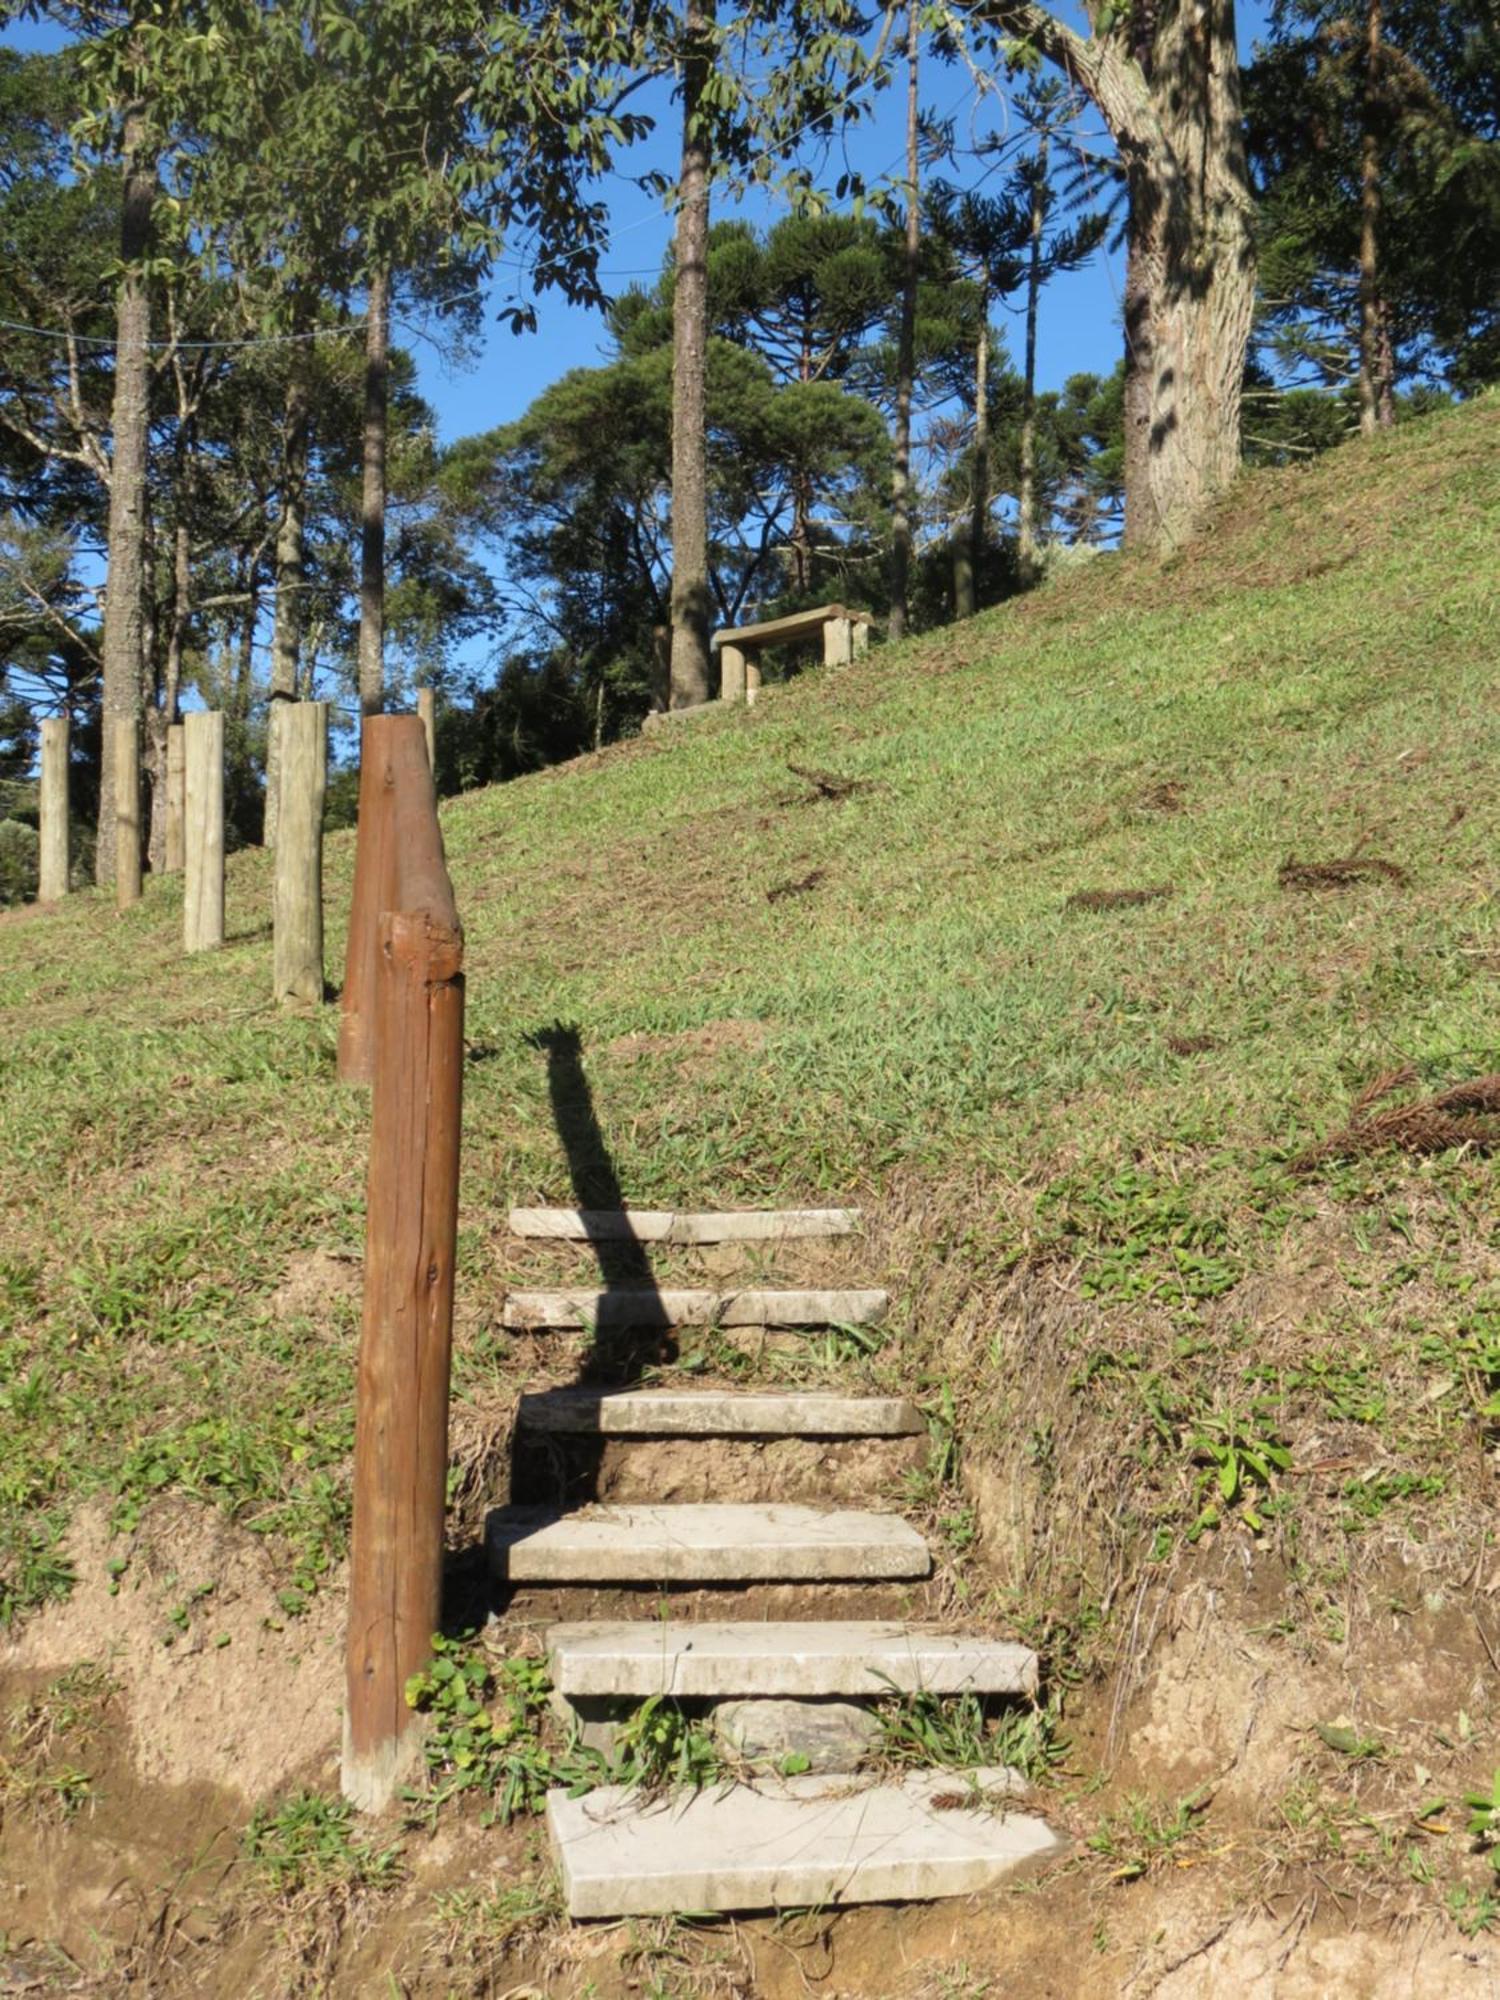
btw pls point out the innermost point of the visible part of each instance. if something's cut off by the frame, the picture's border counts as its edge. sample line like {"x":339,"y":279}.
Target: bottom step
{"x":793,"y":1843}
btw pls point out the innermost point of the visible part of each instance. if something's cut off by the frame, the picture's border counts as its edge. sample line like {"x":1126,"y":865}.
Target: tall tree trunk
{"x":1371,"y":314}
{"x":124,"y":597}
{"x":691,"y":605}
{"x":901,"y":483}
{"x":1190,"y":275}
{"x":969,"y":546}
{"x":287,"y":623}
{"x":1028,"y":542}
{"x":372,"y":535}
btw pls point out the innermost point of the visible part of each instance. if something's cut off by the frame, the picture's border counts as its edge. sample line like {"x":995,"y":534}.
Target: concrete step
{"x":647,"y":1307}
{"x":793,"y":1843}
{"x":665,"y":1225}
{"x":701,"y":1544}
{"x":716,"y":1413}
{"x":643,"y":1658}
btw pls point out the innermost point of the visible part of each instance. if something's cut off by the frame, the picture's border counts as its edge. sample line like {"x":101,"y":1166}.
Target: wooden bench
{"x":846,"y":634}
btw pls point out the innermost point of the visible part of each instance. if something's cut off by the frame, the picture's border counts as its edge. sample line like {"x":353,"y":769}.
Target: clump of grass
{"x":308,"y":1843}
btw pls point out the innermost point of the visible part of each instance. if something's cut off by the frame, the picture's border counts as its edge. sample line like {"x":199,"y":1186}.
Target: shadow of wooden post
{"x":414,"y":1008}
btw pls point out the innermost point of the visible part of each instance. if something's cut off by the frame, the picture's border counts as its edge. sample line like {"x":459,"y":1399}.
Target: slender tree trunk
{"x":372,"y":536}
{"x":692,"y":614}
{"x":124,"y":597}
{"x":161,"y":717}
{"x":1372,"y":332}
{"x":901,"y":483}
{"x":1028,"y":542}
{"x":969,"y":547}
{"x":244,"y":663}
{"x":286,"y":630}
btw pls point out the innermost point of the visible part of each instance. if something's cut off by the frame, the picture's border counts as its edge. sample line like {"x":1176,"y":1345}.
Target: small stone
{"x":797,"y":1735}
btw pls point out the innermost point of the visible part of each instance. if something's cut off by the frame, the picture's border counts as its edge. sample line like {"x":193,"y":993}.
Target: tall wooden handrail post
{"x":401,"y":1419}
{"x":374,"y":891}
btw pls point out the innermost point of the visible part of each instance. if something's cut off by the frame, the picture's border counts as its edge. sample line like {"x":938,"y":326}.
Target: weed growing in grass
{"x":1241,"y":1457}
{"x":661,"y":1746}
{"x":488,"y":1722}
{"x":958,"y":1731}
{"x":308,"y":1842}
{"x":1144,"y":1834}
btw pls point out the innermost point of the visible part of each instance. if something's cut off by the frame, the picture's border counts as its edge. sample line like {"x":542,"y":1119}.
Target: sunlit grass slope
{"x":783,"y":995}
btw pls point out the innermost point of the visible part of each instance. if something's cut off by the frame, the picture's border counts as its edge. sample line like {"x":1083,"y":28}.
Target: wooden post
{"x":302,"y":782}
{"x":374,"y":891}
{"x":203,"y":882}
{"x":752,"y":680}
{"x":411,"y":1226}
{"x":54,"y":869}
{"x":176,"y":799}
{"x":427,"y":710}
{"x":127,"y":741}
{"x":838,"y":642}
{"x":731,"y":674}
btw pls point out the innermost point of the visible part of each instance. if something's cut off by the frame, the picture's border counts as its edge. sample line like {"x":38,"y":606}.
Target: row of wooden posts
{"x":194,"y":828}
{"x":402,"y":1032}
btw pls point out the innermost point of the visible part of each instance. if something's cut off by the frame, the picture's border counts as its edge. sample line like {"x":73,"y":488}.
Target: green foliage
{"x":661,"y":1746}
{"x":487,"y":1728}
{"x":1240,"y":1458}
{"x":960,"y":1731}
{"x":1144,"y":1834}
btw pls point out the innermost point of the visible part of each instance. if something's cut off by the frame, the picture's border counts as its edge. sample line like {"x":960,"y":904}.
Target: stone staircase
{"x":783,"y":1689}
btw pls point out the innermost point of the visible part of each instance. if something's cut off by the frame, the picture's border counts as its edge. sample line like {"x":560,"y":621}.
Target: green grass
{"x":1005,"y":1081}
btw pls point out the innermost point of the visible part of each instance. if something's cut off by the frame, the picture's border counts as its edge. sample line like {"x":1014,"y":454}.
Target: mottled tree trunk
{"x":286,"y":629}
{"x":1377,"y":402}
{"x":124,"y":616}
{"x":691,"y":605}
{"x":160,"y":718}
{"x":1190,"y":275}
{"x":372,"y":531}
{"x":969,"y":546}
{"x":1028,"y":542}
{"x":902,"y":531}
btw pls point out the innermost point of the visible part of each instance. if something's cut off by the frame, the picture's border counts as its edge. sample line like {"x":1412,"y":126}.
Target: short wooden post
{"x":731,"y":674}
{"x":203,"y":838}
{"x":752,"y":680}
{"x":427,"y":710}
{"x":838,"y":642}
{"x":53,"y":860}
{"x":374,"y":891}
{"x":175,"y":829}
{"x":302,"y":782}
{"x":127,"y":811}
{"x":411,"y":1226}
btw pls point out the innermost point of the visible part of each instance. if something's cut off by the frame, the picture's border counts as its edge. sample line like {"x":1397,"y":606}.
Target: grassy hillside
{"x":1157,"y":1336}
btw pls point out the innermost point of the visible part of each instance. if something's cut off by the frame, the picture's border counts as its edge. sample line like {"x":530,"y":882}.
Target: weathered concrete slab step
{"x":640,"y":1658}
{"x":667,"y":1225}
{"x":701,"y":1544}
{"x":647,"y":1307}
{"x":717,"y":1413}
{"x":792,"y":1843}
